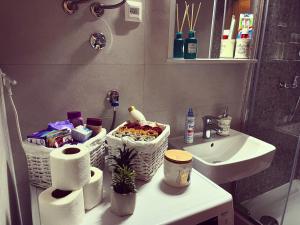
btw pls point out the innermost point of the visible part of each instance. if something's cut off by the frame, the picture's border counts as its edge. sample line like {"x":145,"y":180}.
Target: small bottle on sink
{"x":189,"y":127}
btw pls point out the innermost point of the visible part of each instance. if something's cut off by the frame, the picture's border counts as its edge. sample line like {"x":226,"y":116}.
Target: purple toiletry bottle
{"x":75,"y":118}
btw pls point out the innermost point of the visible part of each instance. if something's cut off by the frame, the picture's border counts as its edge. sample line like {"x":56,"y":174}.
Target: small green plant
{"x":123,"y":180}
{"x":124,"y":157}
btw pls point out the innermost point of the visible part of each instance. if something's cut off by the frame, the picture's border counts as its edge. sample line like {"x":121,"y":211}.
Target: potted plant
{"x":123,"y":193}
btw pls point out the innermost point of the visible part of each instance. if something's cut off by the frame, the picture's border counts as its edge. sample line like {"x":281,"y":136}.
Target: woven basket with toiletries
{"x":150,"y":141}
{"x":38,"y":158}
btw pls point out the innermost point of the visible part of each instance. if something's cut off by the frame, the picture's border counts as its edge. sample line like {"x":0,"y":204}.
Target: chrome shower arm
{"x":113,"y":6}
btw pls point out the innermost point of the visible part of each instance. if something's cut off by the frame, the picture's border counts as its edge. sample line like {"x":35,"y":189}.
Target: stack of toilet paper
{"x":76,"y":186}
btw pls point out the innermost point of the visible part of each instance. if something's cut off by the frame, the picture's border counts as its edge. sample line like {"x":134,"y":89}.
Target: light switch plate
{"x":133,"y":11}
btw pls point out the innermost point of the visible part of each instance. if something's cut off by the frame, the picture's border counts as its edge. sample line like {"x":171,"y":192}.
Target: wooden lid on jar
{"x":178,"y":156}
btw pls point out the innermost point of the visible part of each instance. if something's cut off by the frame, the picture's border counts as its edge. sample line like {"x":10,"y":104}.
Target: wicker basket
{"x":38,"y":158}
{"x":150,"y":154}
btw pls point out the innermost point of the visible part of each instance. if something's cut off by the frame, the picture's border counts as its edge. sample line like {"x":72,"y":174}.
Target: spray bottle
{"x":189,"y":127}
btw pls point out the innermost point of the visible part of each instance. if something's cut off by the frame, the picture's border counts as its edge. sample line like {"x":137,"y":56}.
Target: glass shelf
{"x":209,"y":61}
{"x":214,"y":17}
{"x":284,"y":60}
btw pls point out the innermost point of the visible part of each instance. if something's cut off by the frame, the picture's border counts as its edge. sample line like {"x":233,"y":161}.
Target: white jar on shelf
{"x":227,"y":48}
{"x":242,"y":45}
{"x":177,"y":168}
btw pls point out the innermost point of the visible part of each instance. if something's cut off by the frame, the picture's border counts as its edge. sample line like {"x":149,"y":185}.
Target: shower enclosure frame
{"x":249,"y":108}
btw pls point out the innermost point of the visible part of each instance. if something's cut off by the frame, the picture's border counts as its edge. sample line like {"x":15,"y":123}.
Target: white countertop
{"x":158,"y":203}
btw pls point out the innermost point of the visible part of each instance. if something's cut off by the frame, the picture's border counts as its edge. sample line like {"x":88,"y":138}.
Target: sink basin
{"x":227,"y":159}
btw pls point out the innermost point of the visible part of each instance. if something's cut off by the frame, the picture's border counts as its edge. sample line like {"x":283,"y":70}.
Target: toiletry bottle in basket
{"x":136,"y":115}
{"x":189,"y":127}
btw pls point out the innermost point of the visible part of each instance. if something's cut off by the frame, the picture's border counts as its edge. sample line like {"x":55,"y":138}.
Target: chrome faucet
{"x":209,"y":124}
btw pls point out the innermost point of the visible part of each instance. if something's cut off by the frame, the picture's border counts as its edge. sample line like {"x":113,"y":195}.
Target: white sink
{"x":227,"y":159}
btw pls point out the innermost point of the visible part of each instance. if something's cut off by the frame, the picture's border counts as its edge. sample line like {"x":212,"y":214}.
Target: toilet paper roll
{"x":58,"y":207}
{"x":70,"y":168}
{"x":92,"y":192}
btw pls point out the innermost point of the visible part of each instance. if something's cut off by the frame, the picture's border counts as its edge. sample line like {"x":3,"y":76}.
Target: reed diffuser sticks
{"x":177,"y":17}
{"x":197,"y":14}
{"x":192,"y":15}
{"x":191,"y":19}
{"x":186,"y":48}
{"x":180,"y":28}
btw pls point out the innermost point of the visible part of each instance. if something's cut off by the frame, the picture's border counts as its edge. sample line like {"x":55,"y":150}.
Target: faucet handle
{"x":208,"y":119}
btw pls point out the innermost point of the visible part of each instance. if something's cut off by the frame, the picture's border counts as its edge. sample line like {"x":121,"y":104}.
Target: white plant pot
{"x":122,"y":204}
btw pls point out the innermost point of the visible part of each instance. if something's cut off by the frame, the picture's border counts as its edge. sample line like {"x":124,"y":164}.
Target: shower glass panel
{"x":292,"y":201}
{"x":273,"y":196}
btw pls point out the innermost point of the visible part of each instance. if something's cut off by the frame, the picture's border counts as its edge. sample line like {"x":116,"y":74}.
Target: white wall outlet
{"x":133,"y":11}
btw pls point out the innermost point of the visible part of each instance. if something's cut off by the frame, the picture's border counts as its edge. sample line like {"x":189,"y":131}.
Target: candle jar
{"x":177,"y":168}
{"x":190,"y":46}
{"x":178,"y":46}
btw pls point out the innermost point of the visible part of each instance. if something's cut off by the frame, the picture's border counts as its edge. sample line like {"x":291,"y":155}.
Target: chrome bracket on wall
{"x":98,"y":41}
{"x":97,"y":9}
{"x":293,"y":85}
{"x":71,"y":6}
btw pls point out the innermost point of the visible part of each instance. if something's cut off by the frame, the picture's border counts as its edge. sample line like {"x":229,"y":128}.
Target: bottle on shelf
{"x":227,"y":45}
{"x":190,"y":46}
{"x":178,"y":46}
{"x":242,"y":45}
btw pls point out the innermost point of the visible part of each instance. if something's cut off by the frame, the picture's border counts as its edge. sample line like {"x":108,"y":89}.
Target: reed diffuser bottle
{"x":178,"y":46}
{"x":191,"y":43}
{"x":190,"y":46}
{"x":178,"y":41}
